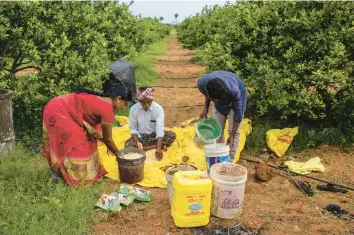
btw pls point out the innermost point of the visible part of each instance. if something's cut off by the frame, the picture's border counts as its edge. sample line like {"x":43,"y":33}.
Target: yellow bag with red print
{"x":279,"y":140}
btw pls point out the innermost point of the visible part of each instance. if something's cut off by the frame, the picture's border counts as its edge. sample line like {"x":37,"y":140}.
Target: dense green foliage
{"x":295,"y":57}
{"x":70,"y":44}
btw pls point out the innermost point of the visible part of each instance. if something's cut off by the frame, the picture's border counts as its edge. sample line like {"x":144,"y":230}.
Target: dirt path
{"x":276,"y":202}
{"x":175,"y":70}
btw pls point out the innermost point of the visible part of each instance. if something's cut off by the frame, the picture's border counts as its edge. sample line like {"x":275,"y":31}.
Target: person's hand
{"x":118,"y":154}
{"x":109,"y":152}
{"x":140,"y":145}
{"x":158,"y":154}
{"x":204,"y":113}
{"x":137,"y":141}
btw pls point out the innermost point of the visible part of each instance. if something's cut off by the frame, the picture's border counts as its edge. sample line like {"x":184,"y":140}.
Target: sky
{"x":168,"y":8}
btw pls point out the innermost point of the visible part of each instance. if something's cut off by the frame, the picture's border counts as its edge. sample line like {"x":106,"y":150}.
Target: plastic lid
{"x":173,"y":169}
{"x":229,"y":172}
{"x":216,"y":147}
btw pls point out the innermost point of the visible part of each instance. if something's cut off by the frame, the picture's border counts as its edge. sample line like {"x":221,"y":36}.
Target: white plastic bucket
{"x":169,"y":175}
{"x":229,"y":181}
{"x":216,"y":153}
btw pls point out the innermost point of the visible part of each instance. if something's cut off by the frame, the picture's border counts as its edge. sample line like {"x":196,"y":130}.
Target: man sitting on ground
{"x":146,"y":124}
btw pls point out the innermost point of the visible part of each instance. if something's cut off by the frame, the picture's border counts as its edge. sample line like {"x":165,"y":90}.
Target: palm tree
{"x":176,"y":16}
{"x":161,"y":18}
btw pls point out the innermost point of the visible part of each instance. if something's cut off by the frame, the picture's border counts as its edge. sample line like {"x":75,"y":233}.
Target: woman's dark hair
{"x":216,"y":88}
{"x":111,"y":91}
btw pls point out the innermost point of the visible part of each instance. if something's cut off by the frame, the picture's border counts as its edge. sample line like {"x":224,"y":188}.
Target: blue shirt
{"x":236,"y":88}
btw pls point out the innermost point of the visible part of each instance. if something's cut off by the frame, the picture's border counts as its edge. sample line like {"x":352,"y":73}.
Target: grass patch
{"x":173,"y":31}
{"x":256,"y":141}
{"x":312,"y":137}
{"x":307,"y":136}
{"x":144,"y":64}
{"x":31,"y":204}
{"x":144,"y":68}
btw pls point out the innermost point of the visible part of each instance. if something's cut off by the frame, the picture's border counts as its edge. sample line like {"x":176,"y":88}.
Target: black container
{"x":131,"y":171}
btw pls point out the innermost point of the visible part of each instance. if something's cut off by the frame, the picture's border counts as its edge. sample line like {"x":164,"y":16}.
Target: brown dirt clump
{"x":263,"y":172}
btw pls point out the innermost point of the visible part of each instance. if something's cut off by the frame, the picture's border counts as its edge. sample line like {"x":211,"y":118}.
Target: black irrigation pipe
{"x":286,"y":169}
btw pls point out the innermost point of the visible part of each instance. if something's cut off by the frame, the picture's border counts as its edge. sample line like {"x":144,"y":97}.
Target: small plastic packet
{"x":109,"y":203}
{"x":139,"y":194}
{"x":126,"y":200}
{"x":125,"y":189}
{"x":142,"y":194}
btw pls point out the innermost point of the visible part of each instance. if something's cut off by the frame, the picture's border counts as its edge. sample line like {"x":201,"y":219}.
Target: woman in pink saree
{"x":72,"y":125}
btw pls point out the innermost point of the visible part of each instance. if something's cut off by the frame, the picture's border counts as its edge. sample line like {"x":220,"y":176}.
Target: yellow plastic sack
{"x":189,"y":121}
{"x":194,"y":156}
{"x":153,"y":177}
{"x":279,"y":140}
{"x":182,"y":151}
{"x":314,"y":164}
{"x":123,"y":120}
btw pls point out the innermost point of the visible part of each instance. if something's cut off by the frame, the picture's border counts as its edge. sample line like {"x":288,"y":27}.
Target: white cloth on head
{"x":147,"y":122}
{"x":148,"y":93}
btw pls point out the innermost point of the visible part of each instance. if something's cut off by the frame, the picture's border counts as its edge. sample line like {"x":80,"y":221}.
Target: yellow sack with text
{"x":279,"y":140}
